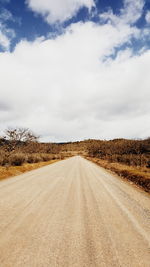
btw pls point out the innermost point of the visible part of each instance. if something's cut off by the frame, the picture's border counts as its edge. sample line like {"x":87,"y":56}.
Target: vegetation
{"x":128,"y":158}
{"x":20,"y":151}
{"x":20,"y":146}
{"x":129,"y":152}
{"x":8,"y":171}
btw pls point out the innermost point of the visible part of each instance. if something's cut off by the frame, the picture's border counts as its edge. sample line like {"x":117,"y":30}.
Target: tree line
{"x":130,"y":152}
{"x":19,"y":145}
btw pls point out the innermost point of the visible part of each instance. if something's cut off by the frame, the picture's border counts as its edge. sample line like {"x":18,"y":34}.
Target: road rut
{"x":73,"y":213}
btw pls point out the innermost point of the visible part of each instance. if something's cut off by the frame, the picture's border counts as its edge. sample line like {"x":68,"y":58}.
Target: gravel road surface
{"x":73,"y":214}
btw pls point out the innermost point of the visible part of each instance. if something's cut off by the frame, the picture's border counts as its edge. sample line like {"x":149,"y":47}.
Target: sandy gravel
{"x":73,"y":213}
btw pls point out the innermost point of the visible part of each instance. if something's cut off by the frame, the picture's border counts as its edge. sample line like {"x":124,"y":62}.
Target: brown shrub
{"x":33,"y":158}
{"x":17,"y":159}
{"x":137,"y":175}
{"x":3,"y":158}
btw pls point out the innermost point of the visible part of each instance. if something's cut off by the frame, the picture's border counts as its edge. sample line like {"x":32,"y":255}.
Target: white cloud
{"x":148,"y":17}
{"x":5,"y":15}
{"x":65,"y":88}
{"x":4,"y":40}
{"x":132,"y":10}
{"x":58,"y":10}
{"x":129,"y":14}
{"x":6,"y":34}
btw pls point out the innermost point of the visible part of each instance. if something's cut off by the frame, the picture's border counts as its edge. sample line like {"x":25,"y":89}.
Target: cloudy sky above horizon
{"x":75,"y":69}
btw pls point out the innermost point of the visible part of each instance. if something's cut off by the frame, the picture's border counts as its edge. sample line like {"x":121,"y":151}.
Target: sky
{"x":75,"y":69}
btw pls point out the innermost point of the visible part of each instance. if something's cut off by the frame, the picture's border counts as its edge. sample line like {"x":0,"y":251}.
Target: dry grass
{"x":19,"y":158}
{"x":9,"y":171}
{"x":138,"y":175}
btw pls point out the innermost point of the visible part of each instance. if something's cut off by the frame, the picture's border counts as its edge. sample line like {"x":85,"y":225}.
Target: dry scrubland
{"x":20,"y":151}
{"x":130,"y":159}
{"x":26,"y":157}
{"x":10,"y":171}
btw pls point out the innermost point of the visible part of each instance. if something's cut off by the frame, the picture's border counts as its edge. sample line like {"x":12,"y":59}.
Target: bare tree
{"x":17,"y":136}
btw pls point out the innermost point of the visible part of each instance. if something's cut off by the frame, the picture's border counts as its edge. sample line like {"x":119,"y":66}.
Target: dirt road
{"x":73,"y":213}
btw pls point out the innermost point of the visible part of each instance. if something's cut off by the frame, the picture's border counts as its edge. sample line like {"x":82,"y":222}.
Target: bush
{"x":17,"y":159}
{"x":129,"y":152}
{"x":3,"y":158}
{"x":33,"y":158}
